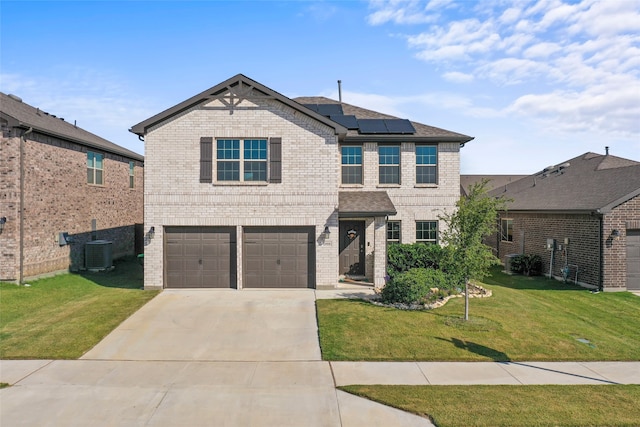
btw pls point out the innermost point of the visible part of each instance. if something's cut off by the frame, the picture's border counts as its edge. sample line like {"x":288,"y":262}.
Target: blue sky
{"x":535,"y":82}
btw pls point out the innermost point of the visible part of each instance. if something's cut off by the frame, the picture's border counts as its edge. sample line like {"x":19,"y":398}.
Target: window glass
{"x":255,"y":156}
{"x":352,"y":165}
{"x":389,"y":164}
{"x":228,"y":155}
{"x":427,"y":231}
{"x":426,"y":164}
{"x":132,"y":166}
{"x":393,"y":232}
{"x":506,"y":227}
{"x":94,"y":168}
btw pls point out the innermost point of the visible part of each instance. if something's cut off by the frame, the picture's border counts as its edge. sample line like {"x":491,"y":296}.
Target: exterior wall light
{"x":152,"y":232}
{"x":3,"y":220}
{"x":326,"y":232}
{"x":615,"y":234}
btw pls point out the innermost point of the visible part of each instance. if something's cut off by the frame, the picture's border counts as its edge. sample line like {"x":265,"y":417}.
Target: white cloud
{"x":458,"y":77}
{"x":571,"y":66}
{"x":97,"y":101}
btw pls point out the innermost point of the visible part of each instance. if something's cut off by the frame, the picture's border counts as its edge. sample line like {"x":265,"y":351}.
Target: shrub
{"x":404,"y":257}
{"x":529,"y":265}
{"x":414,"y":286}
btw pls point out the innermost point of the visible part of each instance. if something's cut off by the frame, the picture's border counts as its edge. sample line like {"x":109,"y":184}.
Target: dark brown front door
{"x":352,"y":247}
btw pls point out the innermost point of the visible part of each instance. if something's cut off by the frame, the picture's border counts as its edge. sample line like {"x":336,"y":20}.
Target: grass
{"x":524,"y":406}
{"x":63,"y":317}
{"x":526,"y":319}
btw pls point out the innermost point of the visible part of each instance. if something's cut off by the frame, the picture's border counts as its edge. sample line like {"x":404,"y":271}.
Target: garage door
{"x":277,"y":257}
{"x":633,"y":260}
{"x":200,"y":257}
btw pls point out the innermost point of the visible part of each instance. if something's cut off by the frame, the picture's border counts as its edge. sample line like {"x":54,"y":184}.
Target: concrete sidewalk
{"x":289,"y":393}
{"x":241,"y":358}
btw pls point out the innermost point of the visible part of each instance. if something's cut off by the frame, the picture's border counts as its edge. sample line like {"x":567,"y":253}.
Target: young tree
{"x":474,"y":219}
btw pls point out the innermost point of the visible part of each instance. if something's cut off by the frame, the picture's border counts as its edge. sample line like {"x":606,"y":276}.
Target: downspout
{"x":23,"y":139}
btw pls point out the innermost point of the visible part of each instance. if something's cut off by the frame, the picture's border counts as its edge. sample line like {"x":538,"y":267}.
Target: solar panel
{"x":330,"y":109}
{"x":399,"y":126}
{"x":313,"y":107}
{"x":372,"y":126}
{"x":349,"y":122}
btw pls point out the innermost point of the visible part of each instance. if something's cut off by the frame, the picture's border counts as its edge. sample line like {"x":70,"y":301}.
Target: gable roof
{"x":238,"y":83}
{"x":423,"y":132}
{"x":22,"y":115}
{"x":590,"y":182}
{"x":493,"y":181}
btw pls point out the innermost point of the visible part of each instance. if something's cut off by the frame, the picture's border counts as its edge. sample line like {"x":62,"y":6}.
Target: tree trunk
{"x":466,"y":300}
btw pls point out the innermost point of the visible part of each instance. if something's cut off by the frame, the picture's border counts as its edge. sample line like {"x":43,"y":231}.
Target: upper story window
{"x":250,"y":163}
{"x":352,"y":165}
{"x":389,"y":164}
{"x":506,"y":230}
{"x":255,"y":160}
{"x":427,"y":231}
{"x":393,"y":232}
{"x":132,"y":166}
{"x":95,"y":168}
{"x":426,"y":164}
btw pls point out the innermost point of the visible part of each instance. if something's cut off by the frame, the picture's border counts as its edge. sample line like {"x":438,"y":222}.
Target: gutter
{"x":405,"y":138}
{"x":130,"y":154}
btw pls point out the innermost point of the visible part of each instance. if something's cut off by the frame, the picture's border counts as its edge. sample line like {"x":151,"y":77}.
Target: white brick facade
{"x":307,"y":196}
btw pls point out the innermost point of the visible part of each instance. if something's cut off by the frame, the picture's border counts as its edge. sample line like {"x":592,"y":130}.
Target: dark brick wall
{"x":591,"y":249}
{"x":623,"y":217}
{"x":58,"y":199}
{"x":531,"y":231}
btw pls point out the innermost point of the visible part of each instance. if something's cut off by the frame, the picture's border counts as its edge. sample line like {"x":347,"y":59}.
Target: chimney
{"x":340,"y":91}
{"x":606,"y":151}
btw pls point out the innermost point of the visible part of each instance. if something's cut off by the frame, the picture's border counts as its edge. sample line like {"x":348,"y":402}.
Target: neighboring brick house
{"x":58,"y":178}
{"x":590,"y":207}
{"x":247,"y":188}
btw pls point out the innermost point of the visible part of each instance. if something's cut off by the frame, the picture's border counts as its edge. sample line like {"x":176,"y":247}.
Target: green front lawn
{"x":63,"y":317}
{"x":526,"y":319}
{"x":505,"y":405}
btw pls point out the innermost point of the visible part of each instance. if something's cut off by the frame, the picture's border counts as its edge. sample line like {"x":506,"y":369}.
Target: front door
{"x":352,"y":247}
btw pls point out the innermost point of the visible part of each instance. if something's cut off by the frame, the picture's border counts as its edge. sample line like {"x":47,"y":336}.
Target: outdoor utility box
{"x":551,"y":244}
{"x":507,"y":262}
{"x":98,"y":255}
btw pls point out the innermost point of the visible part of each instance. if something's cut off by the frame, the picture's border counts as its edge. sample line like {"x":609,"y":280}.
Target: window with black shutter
{"x":206,"y":159}
{"x":275,"y":160}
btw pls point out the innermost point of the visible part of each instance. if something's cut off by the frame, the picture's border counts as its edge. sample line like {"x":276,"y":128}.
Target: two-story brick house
{"x":56,"y":177}
{"x":246,"y":188}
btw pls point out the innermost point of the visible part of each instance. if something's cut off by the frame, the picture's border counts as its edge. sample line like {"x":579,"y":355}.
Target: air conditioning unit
{"x":98,"y":255}
{"x":507,"y":262}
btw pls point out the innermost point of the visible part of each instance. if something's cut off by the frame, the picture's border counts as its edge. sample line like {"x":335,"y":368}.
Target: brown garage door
{"x":633,"y":260}
{"x":200,"y":257}
{"x":279,"y":257}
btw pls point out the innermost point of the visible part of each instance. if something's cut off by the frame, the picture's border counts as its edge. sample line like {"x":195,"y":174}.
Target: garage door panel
{"x":197,"y":257}
{"x":279,"y":257}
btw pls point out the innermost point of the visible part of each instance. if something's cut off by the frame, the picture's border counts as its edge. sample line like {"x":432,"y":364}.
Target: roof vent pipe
{"x":340,"y":91}
{"x":606,"y":151}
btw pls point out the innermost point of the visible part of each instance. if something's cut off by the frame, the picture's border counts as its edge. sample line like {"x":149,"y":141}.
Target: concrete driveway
{"x":198,"y":358}
{"x":218,"y":325}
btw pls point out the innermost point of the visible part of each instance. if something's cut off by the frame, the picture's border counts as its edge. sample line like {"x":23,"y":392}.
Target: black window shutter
{"x":275,"y":160}
{"x":206,"y":159}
